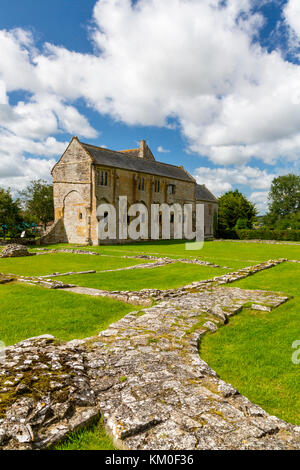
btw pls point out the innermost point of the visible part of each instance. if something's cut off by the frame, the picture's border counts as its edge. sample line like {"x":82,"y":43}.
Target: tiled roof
{"x":131,"y":152}
{"x":129,"y":161}
{"x":203,"y":194}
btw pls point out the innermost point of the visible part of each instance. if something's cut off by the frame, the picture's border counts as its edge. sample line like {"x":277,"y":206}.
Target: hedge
{"x":261,"y":234}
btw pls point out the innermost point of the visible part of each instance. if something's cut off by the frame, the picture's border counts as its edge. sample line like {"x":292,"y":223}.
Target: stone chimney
{"x":145,"y":152}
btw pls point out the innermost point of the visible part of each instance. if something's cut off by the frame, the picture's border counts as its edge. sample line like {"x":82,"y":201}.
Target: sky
{"x":212,"y":85}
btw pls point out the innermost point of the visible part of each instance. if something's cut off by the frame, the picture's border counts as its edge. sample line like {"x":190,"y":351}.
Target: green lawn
{"x":233,"y":254}
{"x":94,"y":438}
{"x":164,"y":277}
{"x":28,"y":311}
{"x":62,"y":262}
{"x":254,"y":351}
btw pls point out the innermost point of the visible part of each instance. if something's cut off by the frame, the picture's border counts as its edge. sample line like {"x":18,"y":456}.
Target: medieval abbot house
{"x":86,"y":176}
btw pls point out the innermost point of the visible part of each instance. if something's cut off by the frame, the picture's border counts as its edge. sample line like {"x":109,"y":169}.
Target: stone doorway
{"x":75,"y":218}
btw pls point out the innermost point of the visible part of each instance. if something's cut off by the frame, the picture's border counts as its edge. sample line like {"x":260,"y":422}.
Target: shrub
{"x":268,"y":234}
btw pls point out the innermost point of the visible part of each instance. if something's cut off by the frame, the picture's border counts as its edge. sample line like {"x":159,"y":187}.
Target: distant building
{"x":86,"y":176}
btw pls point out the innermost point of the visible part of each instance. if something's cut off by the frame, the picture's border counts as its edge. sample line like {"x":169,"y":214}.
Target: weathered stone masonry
{"x":87,"y":176}
{"x":146,"y":378}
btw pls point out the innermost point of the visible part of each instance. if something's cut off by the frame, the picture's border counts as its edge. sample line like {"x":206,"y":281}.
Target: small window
{"x":172,"y":218}
{"x":171,"y":188}
{"x":141,"y":184}
{"x":102,"y":178}
{"x":156,"y":186}
{"x":80,"y":215}
{"x":209,"y":209}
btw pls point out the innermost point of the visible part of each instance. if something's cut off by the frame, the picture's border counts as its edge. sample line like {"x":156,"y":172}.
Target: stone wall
{"x":72,"y":193}
{"x":55,"y":234}
{"x":125,"y":183}
{"x":145,"y":377}
{"x":77,"y":195}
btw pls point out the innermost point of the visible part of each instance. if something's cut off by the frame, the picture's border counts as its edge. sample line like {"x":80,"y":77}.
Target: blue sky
{"x":212,"y":85}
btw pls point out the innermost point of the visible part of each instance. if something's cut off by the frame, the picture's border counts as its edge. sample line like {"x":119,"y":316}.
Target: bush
{"x":268,"y":234}
{"x":227,"y":233}
{"x":260,"y":234}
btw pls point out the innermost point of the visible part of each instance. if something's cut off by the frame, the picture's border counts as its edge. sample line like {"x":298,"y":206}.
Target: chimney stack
{"x":145,"y":152}
{"x":143,"y":146}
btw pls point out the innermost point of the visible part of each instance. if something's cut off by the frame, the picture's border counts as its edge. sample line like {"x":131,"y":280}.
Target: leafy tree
{"x":284,"y":197}
{"x":38,"y":201}
{"x":282,"y":223}
{"x":235,"y":211}
{"x":10,"y":212}
{"x":241,"y":223}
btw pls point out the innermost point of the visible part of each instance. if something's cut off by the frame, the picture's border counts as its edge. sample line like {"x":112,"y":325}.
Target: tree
{"x":235,"y":211}
{"x":10,"y":212}
{"x":37,"y":198}
{"x":241,"y":223}
{"x":284,"y":196}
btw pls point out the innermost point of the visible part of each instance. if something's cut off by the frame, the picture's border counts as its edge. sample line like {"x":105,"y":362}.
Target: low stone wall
{"x":15,"y":251}
{"x":145,"y":377}
{"x":270,"y":242}
{"x":145,"y":297}
{"x":47,"y":251}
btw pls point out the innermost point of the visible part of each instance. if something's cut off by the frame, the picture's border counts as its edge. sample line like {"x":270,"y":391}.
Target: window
{"x":141,"y":184}
{"x":80,"y":215}
{"x":172,"y":218}
{"x":171,"y":188}
{"x":102,"y":178}
{"x":209,"y":209}
{"x":156,"y":186}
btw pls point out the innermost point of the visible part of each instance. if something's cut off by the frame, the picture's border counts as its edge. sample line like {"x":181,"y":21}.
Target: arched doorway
{"x":75,"y":218}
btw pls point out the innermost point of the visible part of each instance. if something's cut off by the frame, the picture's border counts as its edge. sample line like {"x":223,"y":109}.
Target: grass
{"x":165,"y":277}
{"x":233,"y":254}
{"x":254,"y":351}
{"x":32,"y":311}
{"x":94,"y":438}
{"x":62,"y":262}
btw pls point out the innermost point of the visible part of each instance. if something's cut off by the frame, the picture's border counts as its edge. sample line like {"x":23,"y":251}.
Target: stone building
{"x":87,"y":176}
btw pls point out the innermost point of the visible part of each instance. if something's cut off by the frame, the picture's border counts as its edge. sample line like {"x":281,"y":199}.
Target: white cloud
{"x":260,"y":199}
{"x":29,"y":126}
{"x":219,"y":180}
{"x":232,"y":99}
{"x":292,"y":18}
{"x":17,"y":172}
{"x":162,"y":150}
{"x":245,"y":178}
